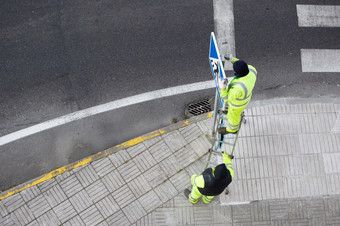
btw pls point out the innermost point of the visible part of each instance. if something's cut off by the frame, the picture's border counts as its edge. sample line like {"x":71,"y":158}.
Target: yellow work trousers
{"x":196,"y":194}
{"x":234,"y":117}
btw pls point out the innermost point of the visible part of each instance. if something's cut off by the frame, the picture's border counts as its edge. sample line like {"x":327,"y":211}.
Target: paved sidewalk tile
{"x":70,"y":185}
{"x":129,"y":171}
{"x":160,"y":151}
{"x":38,"y":205}
{"x":87,"y":175}
{"x":113,"y":181}
{"x":13,"y":202}
{"x":81,"y":201}
{"x":49,"y":218}
{"x":155,"y":176}
{"x":139,"y":186}
{"x":123,"y":196}
{"x":174,"y":140}
{"x":91,"y":216}
{"x":118,"y":219}
{"x":55,"y":195}
{"x":74,"y":221}
{"x":97,"y":191}
{"x":150,"y":201}
{"x":134,"y":211}
{"x":65,"y":211}
{"x":190,"y":132}
{"x":119,"y":158}
{"x":103,"y":166}
{"x":22,"y":215}
{"x":30,"y":193}
{"x":107,"y":206}
{"x":136,"y":150}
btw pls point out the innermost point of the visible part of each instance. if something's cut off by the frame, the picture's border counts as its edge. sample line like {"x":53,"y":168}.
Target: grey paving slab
{"x":91,"y":216}
{"x":185,"y":156}
{"x":49,"y":218}
{"x":174,"y":140}
{"x":113,"y":181}
{"x":13,"y":202}
{"x":107,"y":206}
{"x":123,"y":196}
{"x":97,"y":191}
{"x":181,"y":180}
{"x":165,"y":191}
{"x":81,"y":201}
{"x":70,"y":185}
{"x":118,"y":218}
{"x":139,"y":186}
{"x":3,"y":211}
{"x":134,"y":211}
{"x":39,"y":205}
{"x":135,"y":150}
{"x":129,"y":171}
{"x":164,"y":216}
{"x":7,"y":221}
{"x":144,"y":161}
{"x":103,"y":166}
{"x":200,"y":145}
{"x":55,"y":195}
{"x":152,"y":141}
{"x":190,"y":132}
{"x":160,"y":151}
{"x":30,"y":193}
{"x":150,"y":201}
{"x":184,"y":216}
{"x":155,"y":176}
{"x":65,"y":211}
{"x":87,"y":175}
{"x":119,"y":158}
{"x":46,"y":185}
{"x":75,"y":221}
{"x":170,"y":165}
{"x":22,"y":215}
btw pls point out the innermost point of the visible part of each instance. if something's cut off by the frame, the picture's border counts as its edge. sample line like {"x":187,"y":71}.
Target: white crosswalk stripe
{"x":319,"y":60}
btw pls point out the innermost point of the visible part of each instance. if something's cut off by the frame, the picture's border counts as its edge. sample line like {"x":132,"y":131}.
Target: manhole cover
{"x":198,"y":108}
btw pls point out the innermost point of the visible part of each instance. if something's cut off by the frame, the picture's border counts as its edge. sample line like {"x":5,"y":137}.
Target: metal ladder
{"x":219,"y":140}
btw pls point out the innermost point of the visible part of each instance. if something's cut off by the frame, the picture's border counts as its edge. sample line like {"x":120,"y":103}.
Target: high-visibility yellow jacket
{"x":239,"y":91}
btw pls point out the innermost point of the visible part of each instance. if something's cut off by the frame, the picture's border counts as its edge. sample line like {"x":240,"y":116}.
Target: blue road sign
{"x":216,"y":64}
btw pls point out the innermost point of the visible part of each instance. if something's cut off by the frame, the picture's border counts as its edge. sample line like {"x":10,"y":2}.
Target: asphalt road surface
{"x":59,"y":57}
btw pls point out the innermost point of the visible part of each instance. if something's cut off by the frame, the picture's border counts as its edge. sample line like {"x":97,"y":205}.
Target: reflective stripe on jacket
{"x":240,"y":89}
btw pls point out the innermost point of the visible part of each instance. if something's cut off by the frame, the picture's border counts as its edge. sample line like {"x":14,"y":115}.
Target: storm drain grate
{"x":198,"y":108}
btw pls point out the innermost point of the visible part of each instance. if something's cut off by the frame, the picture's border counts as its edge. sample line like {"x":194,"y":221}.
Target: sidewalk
{"x":287,"y":172}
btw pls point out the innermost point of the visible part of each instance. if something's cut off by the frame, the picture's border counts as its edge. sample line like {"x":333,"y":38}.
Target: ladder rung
{"x":223,"y":142}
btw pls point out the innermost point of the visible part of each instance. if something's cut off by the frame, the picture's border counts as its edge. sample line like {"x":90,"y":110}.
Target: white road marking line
{"x":105,"y":108}
{"x":318,"y":15}
{"x":320,"y":60}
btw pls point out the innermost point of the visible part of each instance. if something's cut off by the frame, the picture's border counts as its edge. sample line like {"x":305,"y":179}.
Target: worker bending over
{"x":238,"y":94}
{"x":211,"y":182}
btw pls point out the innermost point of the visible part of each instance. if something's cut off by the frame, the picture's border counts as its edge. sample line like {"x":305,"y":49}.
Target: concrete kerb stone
{"x":102,"y":154}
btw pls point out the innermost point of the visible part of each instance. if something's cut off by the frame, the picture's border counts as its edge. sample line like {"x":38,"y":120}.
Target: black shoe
{"x":226,"y":191}
{"x":187,"y":192}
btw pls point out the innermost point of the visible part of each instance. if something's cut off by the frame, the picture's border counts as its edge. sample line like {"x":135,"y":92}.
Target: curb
{"x":102,"y":154}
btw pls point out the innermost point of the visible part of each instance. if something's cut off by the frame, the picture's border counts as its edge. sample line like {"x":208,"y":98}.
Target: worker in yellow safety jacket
{"x":238,"y":94}
{"x":211,"y":182}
